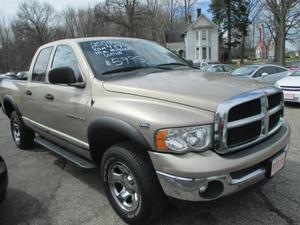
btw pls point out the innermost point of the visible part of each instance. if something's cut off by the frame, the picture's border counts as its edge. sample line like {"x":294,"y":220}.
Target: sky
{"x":9,"y":7}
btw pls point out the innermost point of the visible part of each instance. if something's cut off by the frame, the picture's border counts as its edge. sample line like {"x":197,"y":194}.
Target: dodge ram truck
{"x":157,"y":128}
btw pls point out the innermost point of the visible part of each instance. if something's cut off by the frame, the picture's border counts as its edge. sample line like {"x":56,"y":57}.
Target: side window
{"x":41,"y":63}
{"x":197,"y":35}
{"x":271,"y":69}
{"x":280,"y":70}
{"x":227,"y":69}
{"x":203,"y":35}
{"x":260,"y":72}
{"x":65,"y":57}
{"x":219,"y":69}
{"x":204,"y":53}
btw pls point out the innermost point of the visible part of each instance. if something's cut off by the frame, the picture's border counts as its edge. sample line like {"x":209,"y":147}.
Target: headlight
{"x":181,"y":140}
{"x":277,"y":85}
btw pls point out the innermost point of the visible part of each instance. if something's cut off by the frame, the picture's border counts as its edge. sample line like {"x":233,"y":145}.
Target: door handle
{"x":28,"y":92}
{"x":49,"y":97}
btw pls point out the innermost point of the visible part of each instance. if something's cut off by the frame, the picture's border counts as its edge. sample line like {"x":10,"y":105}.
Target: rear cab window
{"x":41,"y":64}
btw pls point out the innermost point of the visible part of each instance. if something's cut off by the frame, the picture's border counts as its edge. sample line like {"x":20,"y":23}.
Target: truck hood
{"x":188,"y":87}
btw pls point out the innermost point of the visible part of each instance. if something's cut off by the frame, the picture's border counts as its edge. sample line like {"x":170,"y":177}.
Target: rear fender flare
{"x":7,"y":99}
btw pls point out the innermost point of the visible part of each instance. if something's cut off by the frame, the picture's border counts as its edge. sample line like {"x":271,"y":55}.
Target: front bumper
{"x":295,"y":94}
{"x":209,"y":176}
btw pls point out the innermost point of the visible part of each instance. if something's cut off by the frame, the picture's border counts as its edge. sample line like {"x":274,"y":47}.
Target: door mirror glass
{"x":264,"y":74}
{"x":62,"y":75}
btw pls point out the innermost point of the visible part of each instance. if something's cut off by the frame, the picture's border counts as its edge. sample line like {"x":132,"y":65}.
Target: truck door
{"x":65,"y":106}
{"x":33,"y":98}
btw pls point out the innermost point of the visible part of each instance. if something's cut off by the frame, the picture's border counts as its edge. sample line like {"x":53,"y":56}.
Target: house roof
{"x":193,"y":25}
{"x":175,"y":35}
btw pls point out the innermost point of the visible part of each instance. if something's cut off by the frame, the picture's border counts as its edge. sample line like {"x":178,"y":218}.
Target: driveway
{"x":44,"y":189}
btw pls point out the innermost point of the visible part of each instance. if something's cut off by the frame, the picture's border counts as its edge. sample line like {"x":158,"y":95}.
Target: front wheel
{"x":131,"y":184}
{"x":23,"y":137}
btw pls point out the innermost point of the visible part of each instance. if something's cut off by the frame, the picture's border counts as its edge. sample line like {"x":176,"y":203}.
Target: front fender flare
{"x":121,"y":127}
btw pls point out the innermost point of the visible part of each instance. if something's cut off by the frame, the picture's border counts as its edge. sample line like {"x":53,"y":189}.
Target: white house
{"x":201,"y":40}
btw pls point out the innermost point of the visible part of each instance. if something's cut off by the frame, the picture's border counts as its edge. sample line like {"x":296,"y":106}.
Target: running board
{"x":77,"y":160}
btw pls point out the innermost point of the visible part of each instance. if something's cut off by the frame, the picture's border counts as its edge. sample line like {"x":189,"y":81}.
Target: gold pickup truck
{"x":157,"y":127}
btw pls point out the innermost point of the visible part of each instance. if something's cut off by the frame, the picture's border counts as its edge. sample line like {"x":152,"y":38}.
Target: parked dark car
{"x":3,"y":179}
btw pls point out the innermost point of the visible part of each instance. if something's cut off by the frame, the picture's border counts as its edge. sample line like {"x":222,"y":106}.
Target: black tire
{"x":25,"y":137}
{"x":152,"y":201}
{"x":2,"y":196}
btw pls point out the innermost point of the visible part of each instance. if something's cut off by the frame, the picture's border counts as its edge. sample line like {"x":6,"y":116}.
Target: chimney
{"x":198,"y":12}
{"x":190,"y":18}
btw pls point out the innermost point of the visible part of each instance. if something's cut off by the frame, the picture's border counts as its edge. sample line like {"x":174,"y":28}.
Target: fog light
{"x":203,"y":188}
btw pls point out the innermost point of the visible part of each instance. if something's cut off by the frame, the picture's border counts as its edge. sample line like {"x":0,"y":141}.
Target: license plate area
{"x":276,"y":164}
{"x":289,"y":96}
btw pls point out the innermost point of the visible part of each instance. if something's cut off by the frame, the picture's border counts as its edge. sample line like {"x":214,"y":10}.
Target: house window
{"x":209,"y":35}
{"x":204,"y":53}
{"x":197,"y":35}
{"x":203,"y":35}
{"x":209,"y":53}
{"x":197,"y":53}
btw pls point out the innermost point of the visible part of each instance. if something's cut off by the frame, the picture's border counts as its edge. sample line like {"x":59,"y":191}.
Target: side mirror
{"x":62,"y":75}
{"x":192,"y":64}
{"x":264,"y":74}
{"x":190,"y":61}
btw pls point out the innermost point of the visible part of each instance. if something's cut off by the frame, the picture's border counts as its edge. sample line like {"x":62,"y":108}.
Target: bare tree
{"x":282,"y":19}
{"x":186,"y":7}
{"x":38,"y":21}
{"x":6,"y":44}
{"x":242,"y":11}
{"x":170,"y":7}
{"x":70,"y":21}
{"x":80,"y":23}
{"x":126,"y":13}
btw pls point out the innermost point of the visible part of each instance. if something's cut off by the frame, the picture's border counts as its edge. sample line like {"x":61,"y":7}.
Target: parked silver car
{"x":291,"y":87}
{"x":257,"y":71}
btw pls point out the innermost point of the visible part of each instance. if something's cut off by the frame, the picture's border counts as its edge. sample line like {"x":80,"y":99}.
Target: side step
{"x":77,"y":160}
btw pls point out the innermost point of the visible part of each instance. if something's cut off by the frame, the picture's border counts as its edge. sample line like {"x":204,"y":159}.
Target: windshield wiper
{"x":171,"y":64}
{"x":132,"y":68}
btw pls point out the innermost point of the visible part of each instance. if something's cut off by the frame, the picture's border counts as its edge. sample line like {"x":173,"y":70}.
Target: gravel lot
{"x":45,"y":189}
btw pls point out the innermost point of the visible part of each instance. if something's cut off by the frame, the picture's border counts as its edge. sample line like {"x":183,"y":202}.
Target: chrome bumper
{"x":296,"y":96}
{"x":209,"y":188}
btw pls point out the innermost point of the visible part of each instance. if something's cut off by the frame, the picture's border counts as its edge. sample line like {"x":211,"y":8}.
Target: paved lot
{"x":44,"y":189}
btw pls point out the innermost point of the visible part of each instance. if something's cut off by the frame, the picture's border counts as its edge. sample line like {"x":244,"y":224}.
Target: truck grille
{"x":248,"y":118}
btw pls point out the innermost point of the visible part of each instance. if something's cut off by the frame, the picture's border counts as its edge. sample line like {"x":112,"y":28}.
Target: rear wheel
{"x":131,"y":184}
{"x":23,"y":137}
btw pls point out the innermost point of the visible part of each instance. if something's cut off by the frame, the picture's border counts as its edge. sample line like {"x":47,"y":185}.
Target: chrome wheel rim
{"x":123,"y":187}
{"x":16,"y":131}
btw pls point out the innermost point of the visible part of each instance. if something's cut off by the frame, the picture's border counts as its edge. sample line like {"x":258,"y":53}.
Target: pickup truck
{"x":157,"y":128}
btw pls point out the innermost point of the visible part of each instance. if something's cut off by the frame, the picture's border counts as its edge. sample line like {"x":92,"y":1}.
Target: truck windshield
{"x":123,"y":55}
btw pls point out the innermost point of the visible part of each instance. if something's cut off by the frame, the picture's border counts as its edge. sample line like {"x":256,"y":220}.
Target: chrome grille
{"x":248,"y":118}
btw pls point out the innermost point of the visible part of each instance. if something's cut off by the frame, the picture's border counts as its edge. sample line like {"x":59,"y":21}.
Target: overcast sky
{"x":9,"y":7}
